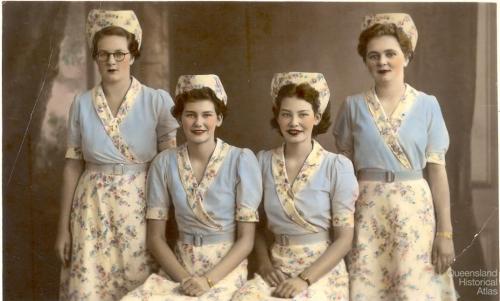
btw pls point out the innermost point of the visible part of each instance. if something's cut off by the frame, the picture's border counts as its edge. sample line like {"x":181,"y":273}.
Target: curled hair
{"x":194,"y":95}
{"x":389,"y":29}
{"x":133,"y":45}
{"x":309,"y":94}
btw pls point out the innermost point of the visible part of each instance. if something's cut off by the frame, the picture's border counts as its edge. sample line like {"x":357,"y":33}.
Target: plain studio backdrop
{"x":46,"y":62}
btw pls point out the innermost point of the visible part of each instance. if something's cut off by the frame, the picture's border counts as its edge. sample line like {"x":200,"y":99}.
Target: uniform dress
{"x":321,"y":196}
{"x":108,"y":214}
{"x":394,"y":221}
{"x":230,"y":191}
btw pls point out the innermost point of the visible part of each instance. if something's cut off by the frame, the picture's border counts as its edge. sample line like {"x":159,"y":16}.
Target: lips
{"x":383,"y":71}
{"x":198,"y":132}
{"x":293,"y":132}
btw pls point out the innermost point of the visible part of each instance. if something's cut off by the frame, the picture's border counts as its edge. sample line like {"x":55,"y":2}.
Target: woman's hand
{"x":443,"y":254}
{"x":272,"y":276}
{"x":290,"y":288}
{"x":63,"y":247}
{"x":195,"y":286}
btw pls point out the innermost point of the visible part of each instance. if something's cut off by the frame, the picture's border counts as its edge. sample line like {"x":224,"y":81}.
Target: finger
{"x":281,"y":277}
{"x":67,"y":253}
{"x":279,"y":290}
{"x":434,"y":256}
{"x":288,"y":291}
{"x":275,"y":278}
{"x":440,"y":265}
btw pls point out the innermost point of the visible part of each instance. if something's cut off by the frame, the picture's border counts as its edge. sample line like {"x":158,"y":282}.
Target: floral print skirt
{"x":108,"y":235}
{"x":197,"y":261}
{"x":292,"y":260}
{"x":394,"y":232}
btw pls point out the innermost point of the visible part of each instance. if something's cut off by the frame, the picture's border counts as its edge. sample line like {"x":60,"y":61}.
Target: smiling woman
{"x":215,"y":189}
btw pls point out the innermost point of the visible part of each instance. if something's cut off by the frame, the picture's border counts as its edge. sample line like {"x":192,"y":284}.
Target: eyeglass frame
{"x":109,"y":54}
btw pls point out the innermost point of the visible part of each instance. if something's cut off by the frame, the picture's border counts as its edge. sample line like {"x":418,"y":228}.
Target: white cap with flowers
{"x":316,"y":80}
{"x":99,"y":19}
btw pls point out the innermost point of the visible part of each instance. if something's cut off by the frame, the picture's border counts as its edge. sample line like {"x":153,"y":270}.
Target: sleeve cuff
{"x":244,"y":214}
{"x":74,"y":153}
{"x":437,"y":158}
{"x":343,"y":219}
{"x":157,"y":213}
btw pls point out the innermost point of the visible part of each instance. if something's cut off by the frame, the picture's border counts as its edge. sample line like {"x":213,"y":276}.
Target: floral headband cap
{"x":315,"y":80}
{"x":189,"y":82}
{"x":403,"y":21}
{"x":126,"y":19}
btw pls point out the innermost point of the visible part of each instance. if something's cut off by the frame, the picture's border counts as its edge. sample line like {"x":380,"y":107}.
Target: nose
{"x":294,"y":120}
{"x":111,"y":59}
{"x":198,"y":121}
{"x":382,"y":60}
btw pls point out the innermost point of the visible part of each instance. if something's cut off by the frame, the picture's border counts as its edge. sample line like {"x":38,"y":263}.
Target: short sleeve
{"x":344,"y":193}
{"x":438,"y":139}
{"x":249,"y":187}
{"x":158,"y":198}
{"x":166,"y":129}
{"x":74,"y":137}
{"x":342,"y":130}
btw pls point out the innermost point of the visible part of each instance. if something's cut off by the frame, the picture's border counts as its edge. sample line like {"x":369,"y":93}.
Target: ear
{"x":317,"y":118}
{"x":219,"y":120}
{"x":132,"y":60}
{"x":407,"y":61}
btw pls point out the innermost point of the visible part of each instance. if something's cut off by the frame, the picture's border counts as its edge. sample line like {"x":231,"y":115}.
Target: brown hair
{"x":389,"y":29}
{"x":133,"y":45}
{"x":306,"y":92}
{"x":197,"y":95}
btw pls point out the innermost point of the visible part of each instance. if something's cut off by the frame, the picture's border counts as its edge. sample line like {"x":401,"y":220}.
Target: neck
{"x":298,"y":150}
{"x":201,"y":151}
{"x":390,"y":90}
{"x":116,"y":89}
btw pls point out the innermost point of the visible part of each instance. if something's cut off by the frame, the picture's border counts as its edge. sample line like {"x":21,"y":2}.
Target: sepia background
{"x":46,"y":62}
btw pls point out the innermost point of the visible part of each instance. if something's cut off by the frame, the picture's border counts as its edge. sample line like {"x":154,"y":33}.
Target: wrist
{"x":445,"y":234}
{"x":209,"y":281}
{"x":305,"y":278}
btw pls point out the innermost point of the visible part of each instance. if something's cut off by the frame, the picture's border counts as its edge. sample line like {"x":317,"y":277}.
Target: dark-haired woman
{"x":308,"y":192}
{"x":215,"y":189}
{"x":114,"y":131}
{"x":403,"y":245}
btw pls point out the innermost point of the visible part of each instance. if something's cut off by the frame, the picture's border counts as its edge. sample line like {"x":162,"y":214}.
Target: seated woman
{"x":215,"y":189}
{"x":307,"y":191}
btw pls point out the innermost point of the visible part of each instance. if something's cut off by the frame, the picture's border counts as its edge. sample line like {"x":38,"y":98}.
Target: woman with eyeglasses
{"x":114,"y":131}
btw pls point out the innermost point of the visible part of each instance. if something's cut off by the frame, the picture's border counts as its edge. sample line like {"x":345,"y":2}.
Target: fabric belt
{"x":199,"y":240}
{"x":388,"y":176}
{"x":117,"y":169}
{"x":286,"y":240}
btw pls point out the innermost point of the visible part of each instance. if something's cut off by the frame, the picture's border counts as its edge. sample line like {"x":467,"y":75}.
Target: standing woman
{"x":215,"y":189}
{"x":114,"y":131}
{"x":308,"y":192}
{"x":403,"y":245}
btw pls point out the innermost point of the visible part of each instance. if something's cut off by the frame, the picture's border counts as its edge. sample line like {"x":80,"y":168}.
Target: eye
{"x":391,"y":54}
{"x":373,"y":57}
{"x":303,"y":115}
{"x":285,"y":114}
{"x":207,"y":115}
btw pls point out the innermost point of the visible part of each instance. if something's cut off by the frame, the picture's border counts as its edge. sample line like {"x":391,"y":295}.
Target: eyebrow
{"x":300,"y":111}
{"x":204,"y":112}
{"x":385,"y":50}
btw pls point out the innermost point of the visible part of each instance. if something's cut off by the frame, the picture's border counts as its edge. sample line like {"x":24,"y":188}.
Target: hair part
{"x":389,"y":29}
{"x":306,"y":92}
{"x":194,"y":95}
{"x":133,"y":45}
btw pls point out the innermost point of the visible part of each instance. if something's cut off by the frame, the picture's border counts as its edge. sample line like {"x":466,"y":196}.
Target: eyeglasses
{"x":103,"y":56}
